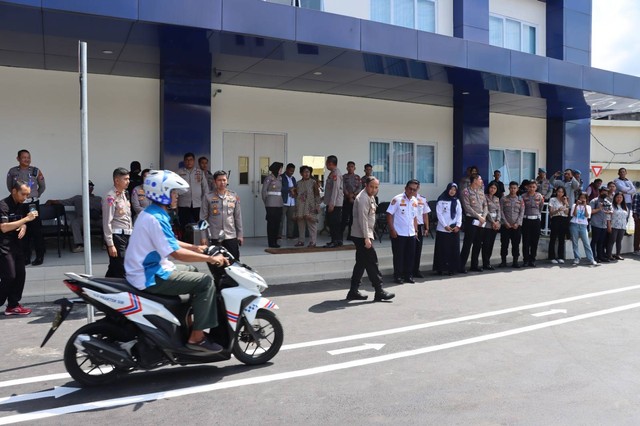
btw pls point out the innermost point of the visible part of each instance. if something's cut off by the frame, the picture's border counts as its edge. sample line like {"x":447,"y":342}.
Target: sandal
{"x":299,"y":244}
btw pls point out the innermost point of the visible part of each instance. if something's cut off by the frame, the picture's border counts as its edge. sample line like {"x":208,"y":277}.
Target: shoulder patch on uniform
{"x":393,"y":202}
{"x":110,"y":200}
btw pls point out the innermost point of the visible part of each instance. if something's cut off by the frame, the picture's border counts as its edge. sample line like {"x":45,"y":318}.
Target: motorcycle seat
{"x":121,"y":284}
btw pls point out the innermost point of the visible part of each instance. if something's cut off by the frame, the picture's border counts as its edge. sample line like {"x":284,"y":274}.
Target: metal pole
{"x":84,"y":150}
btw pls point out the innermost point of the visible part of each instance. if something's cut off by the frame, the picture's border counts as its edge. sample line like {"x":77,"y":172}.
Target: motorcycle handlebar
{"x":215,"y":250}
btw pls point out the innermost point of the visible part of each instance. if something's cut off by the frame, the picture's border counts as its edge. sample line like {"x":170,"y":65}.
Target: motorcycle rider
{"x":153,"y":241}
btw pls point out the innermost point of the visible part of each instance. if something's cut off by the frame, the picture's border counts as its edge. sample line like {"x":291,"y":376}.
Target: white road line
{"x":549,"y":312}
{"x":453,"y":320}
{"x":365,"y":347}
{"x":136,"y":399}
{"x":34,"y":379}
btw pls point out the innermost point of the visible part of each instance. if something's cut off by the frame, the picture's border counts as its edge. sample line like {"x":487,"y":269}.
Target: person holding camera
{"x":580,"y":215}
{"x":600,"y":222}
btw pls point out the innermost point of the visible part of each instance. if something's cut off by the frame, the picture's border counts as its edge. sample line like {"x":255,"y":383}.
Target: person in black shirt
{"x":12,"y":262}
{"x":499,"y":184}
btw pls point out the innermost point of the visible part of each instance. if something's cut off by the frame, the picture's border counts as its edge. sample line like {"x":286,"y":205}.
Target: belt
{"x":274,"y":193}
{"x":121,"y":231}
{"x":31,"y":200}
{"x":532,"y":217}
{"x":493,"y":215}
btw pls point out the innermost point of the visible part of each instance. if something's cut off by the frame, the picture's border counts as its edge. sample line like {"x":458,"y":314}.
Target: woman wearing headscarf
{"x":446,"y":255}
{"x":272,"y":198}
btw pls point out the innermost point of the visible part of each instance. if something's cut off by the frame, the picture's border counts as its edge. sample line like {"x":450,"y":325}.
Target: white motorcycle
{"x":142,"y":331}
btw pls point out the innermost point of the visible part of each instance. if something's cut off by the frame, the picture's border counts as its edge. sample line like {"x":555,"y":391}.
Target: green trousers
{"x":187,"y":280}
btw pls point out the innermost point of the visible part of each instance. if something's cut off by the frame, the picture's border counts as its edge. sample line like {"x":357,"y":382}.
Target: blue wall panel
{"x":389,"y":39}
{"x":259,"y":18}
{"x":126,"y":9}
{"x":191,"y":13}
{"x":317,"y":27}
{"x":471,"y":20}
{"x":470,"y":132}
{"x":440,"y":49}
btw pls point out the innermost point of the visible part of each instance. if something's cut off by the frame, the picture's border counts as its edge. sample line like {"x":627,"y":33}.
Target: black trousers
{"x":334,"y":219}
{"x":274,"y":216}
{"x":446,"y":253}
{"x":33,"y":239}
{"x":559,"y":229}
{"x":513,"y":236}
{"x":403,"y":249}
{"x":418,"y":253}
{"x":487,"y":245}
{"x":598,"y":240}
{"x":473,"y":236}
{"x":366,"y":260}
{"x":116,"y":264}
{"x":12,"y":277}
{"x":530,"y":238}
{"x":347,"y":217}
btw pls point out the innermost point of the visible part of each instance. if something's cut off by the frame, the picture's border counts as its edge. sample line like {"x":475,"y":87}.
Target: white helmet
{"x":159,"y":183}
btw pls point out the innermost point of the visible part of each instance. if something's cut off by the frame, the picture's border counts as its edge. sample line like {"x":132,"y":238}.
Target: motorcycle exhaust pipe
{"x":104,"y":351}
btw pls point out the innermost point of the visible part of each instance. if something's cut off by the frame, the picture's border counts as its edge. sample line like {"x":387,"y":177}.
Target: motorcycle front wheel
{"x":268,"y":329}
{"x":88,"y":370}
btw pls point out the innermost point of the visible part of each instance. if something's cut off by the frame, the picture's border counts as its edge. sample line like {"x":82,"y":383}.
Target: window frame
{"x":391,"y":161}
{"x":415,"y":14}
{"x":523,"y":25}
{"x":521,"y":171}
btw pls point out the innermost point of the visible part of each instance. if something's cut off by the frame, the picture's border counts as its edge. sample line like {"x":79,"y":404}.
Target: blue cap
{"x":542,"y":170}
{"x":577,"y":172}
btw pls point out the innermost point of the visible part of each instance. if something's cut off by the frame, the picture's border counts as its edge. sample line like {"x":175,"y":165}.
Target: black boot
{"x":515,"y":263}
{"x":382,"y":295}
{"x":503,"y":264}
{"x":356,"y":295}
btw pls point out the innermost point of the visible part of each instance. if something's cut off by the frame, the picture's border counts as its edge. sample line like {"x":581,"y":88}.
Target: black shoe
{"x":450,"y":273}
{"x":356,"y":295}
{"x":463,"y":271}
{"x":274,"y":246}
{"x":438,"y":272}
{"x":476,"y":269}
{"x":331,"y":245}
{"x":409,"y":280}
{"x":37,"y":261}
{"x":382,"y":295}
{"x":515,"y":265}
{"x":205,"y":346}
{"x":599,"y":260}
{"x":27,"y":262}
{"x":532,"y":264}
{"x":398,"y":280}
{"x":488,"y":267}
{"x":502,"y":265}
{"x":338,"y":243}
{"x":418,"y":275}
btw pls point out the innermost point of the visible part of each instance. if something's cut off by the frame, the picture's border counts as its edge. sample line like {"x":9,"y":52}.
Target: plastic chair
{"x":53,"y":219}
{"x":380,"y":226}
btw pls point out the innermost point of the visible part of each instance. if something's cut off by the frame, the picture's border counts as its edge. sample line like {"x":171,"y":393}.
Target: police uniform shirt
{"x":493,"y":205}
{"x":9,"y":212}
{"x":272,"y":191}
{"x":404,"y":210}
{"x":532,"y":204}
{"x":364,"y":216}
{"x":32,"y":176}
{"x":139,"y":200}
{"x":116,"y":214}
{"x":198,"y":187}
{"x":512,"y":210}
{"x":474,"y":203}
{"x":423,"y":208}
{"x":334,"y":189}
{"x":351,"y":184}
{"x":223,"y":213}
{"x":545,"y":187}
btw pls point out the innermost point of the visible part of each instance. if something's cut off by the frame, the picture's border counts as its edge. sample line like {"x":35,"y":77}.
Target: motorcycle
{"x":142,"y":331}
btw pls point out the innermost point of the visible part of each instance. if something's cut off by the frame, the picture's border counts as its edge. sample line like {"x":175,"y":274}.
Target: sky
{"x":615,"y":44}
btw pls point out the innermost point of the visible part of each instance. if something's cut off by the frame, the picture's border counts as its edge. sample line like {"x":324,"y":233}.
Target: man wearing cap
{"x":95,"y":214}
{"x":34,"y":178}
{"x":571,"y":185}
{"x":544,"y":186}
{"x":117,"y":224}
{"x":600,"y":222}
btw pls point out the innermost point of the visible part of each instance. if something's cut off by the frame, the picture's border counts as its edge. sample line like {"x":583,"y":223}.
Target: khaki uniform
{"x":272,"y":191}
{"x":333,"y":189}
{"x":32,"y":176}
{"x":474,"y":203}
{"x":512,"y":210}
{"x":364,"y":216}
{"x":117,"y":226}
{"x":139,"y":200}
{"x":223,"y":214}
{"x":198,"y":187}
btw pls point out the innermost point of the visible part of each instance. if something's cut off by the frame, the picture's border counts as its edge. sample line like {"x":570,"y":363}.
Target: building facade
{"x":418,"y":88}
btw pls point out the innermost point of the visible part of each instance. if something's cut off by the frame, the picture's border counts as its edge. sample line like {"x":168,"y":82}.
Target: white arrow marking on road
{"x":550,"y":312}
{"x":56,"y":392}
{"x":138,"y":399}
{"x":366,"y":346}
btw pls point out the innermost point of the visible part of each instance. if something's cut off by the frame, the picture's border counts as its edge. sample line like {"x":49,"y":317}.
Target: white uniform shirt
{"x":404,"y":210}
{"x":423,"y":208}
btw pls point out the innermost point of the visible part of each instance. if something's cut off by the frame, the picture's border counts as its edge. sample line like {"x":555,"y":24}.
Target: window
{"x":398,"y":162}
{"x":514,"y":164}
{"x":418,"y":14}
{"x":316,"y":163}
{"x":512,"y":34}
{"x":308,"y":4}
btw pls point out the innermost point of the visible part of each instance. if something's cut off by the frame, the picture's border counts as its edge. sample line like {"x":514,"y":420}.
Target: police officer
{"x":221,"y":208}
{"x":12,"y":229}
{"x":533,"y":202}
{"x":139,"y":200}
{"x":423,"y":229}
{"x":189,"y":203}
{"x":364,"y":219}
{"x":203,"y":162}
{"x":34,"y":178}
{"x":351,"y":187}
{"x":512,"y":214}
{"x":272,"y":198}
{"x":117,"y":224}
{"x":476,"y":210}
{"x":334,"y":199}
{"x":403,"y":225}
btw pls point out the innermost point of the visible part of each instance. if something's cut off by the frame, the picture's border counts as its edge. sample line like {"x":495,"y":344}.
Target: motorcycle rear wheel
{"x":82,"y":367}
{"x":251,"y":352}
